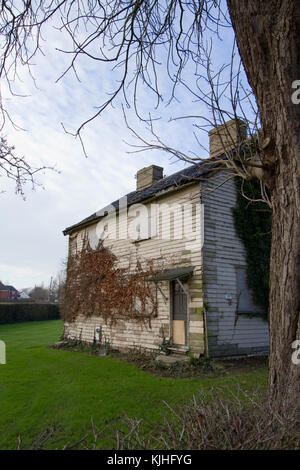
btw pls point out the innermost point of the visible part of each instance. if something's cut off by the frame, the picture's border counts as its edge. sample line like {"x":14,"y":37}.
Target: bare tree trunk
{"x":268,"y":38}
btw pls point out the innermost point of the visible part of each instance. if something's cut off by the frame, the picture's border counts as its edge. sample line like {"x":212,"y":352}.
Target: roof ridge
{"x":178,"y":178}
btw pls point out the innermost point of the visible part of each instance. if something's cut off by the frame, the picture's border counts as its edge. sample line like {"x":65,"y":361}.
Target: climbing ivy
{"x":97,"y":286}
{"x":253,"y":226}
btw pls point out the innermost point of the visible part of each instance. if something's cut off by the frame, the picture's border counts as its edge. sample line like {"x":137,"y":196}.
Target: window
{"x":244,"y":295}
{"x":144,"y":225}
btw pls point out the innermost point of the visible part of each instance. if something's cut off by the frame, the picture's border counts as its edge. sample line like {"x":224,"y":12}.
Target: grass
{"x":40,"y":386}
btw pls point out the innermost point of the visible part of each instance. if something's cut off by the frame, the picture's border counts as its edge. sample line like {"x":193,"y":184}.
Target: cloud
{"x":15,"y":275}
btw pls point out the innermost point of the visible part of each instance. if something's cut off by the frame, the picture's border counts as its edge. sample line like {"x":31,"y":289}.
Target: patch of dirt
{"x":243,"y":364}
{"x":194,"y":367}
{"x":190,"y":369}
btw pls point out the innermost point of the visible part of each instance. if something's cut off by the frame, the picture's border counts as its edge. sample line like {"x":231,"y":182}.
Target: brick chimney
{"x":148,"y":176}
{"x":226,"y":137}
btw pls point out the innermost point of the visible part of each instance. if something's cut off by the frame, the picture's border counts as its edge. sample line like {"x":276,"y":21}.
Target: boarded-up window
{"x":245,"y":299}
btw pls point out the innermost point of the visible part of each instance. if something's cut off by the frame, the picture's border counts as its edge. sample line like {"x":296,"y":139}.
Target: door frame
{"x":171,"y":317}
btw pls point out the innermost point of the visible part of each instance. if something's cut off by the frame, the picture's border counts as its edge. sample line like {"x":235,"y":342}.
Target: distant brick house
{"x":8,"y":293}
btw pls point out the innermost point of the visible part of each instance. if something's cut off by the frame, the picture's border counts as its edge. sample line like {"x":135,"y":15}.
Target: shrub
{"x":23,"y":312}
{"x":210,"y":422}
{"x":239,"y":422}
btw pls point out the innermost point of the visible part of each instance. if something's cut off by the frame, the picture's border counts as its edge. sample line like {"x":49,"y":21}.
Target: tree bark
{"x":268,"y":38}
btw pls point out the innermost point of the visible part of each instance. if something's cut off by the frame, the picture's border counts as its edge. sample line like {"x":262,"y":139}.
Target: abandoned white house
{"x":200,"y":278}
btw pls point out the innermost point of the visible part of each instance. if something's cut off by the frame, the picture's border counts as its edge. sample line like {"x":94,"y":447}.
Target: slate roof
{"x":12,"y":289}
{"x":181,"y":178}
{"x":8,"y":288}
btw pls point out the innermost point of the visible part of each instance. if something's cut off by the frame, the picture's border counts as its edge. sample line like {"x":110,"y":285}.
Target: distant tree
{"x":52,"y":290}
{"x":57,"y":284}
{"x":39,"y":293}
{"x":61,"y":283}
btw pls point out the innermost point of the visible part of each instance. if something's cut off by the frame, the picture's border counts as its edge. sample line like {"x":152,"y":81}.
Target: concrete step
{"x":179,"y":350}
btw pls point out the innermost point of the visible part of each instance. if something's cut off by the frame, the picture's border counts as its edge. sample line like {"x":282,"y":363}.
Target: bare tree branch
{"x":18,"y":169}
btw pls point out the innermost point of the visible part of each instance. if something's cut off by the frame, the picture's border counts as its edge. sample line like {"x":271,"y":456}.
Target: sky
{"x":32,"y":246}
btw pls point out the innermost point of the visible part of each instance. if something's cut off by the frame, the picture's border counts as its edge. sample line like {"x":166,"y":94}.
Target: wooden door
{"x":179,"y":314}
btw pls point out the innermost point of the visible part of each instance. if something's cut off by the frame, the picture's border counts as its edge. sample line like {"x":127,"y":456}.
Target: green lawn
{"x":41,"y":386}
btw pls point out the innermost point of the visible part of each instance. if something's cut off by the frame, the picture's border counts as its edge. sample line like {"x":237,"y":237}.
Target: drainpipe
{"x":205,"y":333}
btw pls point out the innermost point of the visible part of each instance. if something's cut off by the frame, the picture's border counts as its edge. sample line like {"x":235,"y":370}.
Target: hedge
{"x":23,"y":312}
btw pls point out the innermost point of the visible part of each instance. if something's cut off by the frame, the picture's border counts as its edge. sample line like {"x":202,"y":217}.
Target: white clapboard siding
{"x":165,"y":254}
{"x":223,"y":252}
